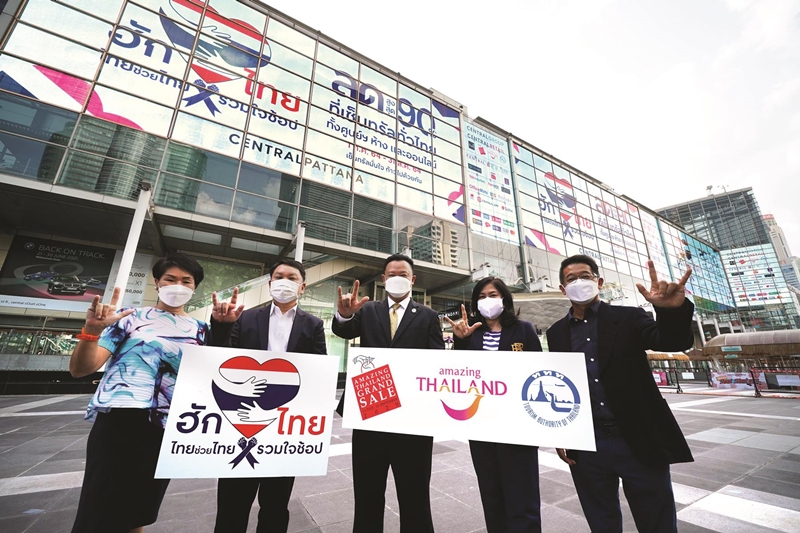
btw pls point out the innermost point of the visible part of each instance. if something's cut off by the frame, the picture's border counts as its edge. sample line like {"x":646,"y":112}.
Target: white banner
{"x":249,"y":413}
{"x":537,"y":399}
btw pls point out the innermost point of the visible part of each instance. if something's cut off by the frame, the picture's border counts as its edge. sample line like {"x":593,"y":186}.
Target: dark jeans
{"x":410,"y":458}
{"x":235,"y":498}
{"x":647,"y":488}
{"x":508,"y":478}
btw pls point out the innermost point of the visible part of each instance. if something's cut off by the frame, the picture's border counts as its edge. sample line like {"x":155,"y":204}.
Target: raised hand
{"x":664,"y":294}
{"x":462,"y":329}
{"x":349,"y":304}
{"x":100,"y":316}
{"x":226,"y":311}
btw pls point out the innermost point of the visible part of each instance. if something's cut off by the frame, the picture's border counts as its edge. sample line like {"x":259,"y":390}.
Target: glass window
{"x":368,"y":210}
{"x":373,"y":141}
{"x":372,"y":237}
{"x":194,"y":196}
{"x":328,"y":147}
{"x":415,"y":98}
{"x":218,"y":108}
{"x":325,"y":226}
{"x":447,"y":169}
{"x":272,"y":126}
{"x":446,"y":132}
{"x":233,"y":14}
{"x":374,"y":187}
{"x":280,"y":32}
{"x":290,"y":60}
{"x":196,"y":131}
{"x":33,"y":119}
{"x":200,"y":164}
{"x":371,"y":161}
{"x":542,"y":164}
{"x":414,"y":199}
{"x":29,"y":159}
{"x":333,"y":125}
{"x":561,"y":173}
{"x":445,"y":149}
{"x":104,"y":176}
{"x":281,"y":91}
{"x":47,"y":49}
{"x":446,"y":188}
{"x":267,"y":182}
{"x":134,"y":79}
{"x":326,"y":198}
{"x":263,"y":212}
{"x":333,"y":102}
{"x":414,"y":177}
{"x":105,"y":9}
{"x":271,"y":154}
{"x":446,"y":114}
{"x":185,"y":12}
{"x":119,"y":142}
{"x":336,"y":60}
{"x":21,"y":77}
{"x":383,"y":83}
{"x":66,"y":22}
{"x":449,"y":209}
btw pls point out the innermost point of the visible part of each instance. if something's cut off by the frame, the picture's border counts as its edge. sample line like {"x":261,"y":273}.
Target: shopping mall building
{"x":247,"y":124}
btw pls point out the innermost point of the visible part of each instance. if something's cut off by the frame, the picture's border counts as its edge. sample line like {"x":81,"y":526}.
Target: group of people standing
{"x":636,"y":435}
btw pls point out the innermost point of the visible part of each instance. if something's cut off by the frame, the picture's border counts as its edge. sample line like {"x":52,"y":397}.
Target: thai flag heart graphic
{"x":261,"y":386}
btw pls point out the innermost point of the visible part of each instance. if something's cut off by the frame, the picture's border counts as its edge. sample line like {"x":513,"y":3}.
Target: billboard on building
{"x":53,"y":275}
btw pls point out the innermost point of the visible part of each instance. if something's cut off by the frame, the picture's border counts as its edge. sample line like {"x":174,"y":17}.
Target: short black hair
{"x":291,"y":263}
{"x":578,"y":260}
{"x":508,"y":317}
{"x":398,"y":257}
{"x":182,"y":261}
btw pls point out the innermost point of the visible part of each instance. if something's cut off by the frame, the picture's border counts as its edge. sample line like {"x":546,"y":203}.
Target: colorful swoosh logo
{"x":463,"y":414}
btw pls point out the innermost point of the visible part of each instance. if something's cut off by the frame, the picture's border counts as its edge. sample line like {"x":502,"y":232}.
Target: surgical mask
{"x":284,"y":291}
{"x":582,"y":291}
{"x":174,"y":295}
{"x":490,"y":307}
{"x":398,"y":286}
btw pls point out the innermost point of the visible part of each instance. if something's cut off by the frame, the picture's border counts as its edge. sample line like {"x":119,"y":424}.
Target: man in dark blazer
{"x":636,"y":434}
{"x":397,"y":322}
{"x":281,"y":326}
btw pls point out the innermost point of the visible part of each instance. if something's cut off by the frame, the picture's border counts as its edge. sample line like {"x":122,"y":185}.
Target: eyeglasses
{"x":584,"y":277}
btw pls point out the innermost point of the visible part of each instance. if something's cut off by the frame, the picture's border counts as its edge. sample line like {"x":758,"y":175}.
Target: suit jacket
{"x":642,"y":415}
{"x":251,"y":332}
{"x":521,"y":332}
{"x":419,"y":329}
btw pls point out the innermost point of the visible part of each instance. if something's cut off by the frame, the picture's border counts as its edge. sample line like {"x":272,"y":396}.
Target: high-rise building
{"x":778,"y":238}
{"x":732,"y":221}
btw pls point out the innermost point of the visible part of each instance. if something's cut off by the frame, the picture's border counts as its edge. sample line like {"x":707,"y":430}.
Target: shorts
{"x":119,"y":492}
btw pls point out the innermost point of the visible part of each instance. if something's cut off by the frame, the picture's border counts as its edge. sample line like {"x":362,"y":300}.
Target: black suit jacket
{"x":643,"y":416}
{"x":521,"y":332}
{"x":419,"y":329}
{"x":251,"y":332}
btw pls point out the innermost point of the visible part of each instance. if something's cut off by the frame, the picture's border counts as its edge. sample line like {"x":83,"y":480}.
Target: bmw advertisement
{"x":53,"y":275}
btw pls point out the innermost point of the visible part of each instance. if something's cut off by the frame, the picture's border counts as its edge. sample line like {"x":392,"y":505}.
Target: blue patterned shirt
{"x":145,"y":356}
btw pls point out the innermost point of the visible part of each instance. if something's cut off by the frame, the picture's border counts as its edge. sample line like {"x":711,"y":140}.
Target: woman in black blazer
{"x":508,"y":474}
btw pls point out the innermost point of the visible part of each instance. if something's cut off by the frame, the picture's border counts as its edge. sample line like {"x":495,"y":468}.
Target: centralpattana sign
{"x":528,"y":398}
{"x":249,"y":413}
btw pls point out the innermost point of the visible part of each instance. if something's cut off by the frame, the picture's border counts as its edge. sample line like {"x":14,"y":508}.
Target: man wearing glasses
{"x":636,"y":434}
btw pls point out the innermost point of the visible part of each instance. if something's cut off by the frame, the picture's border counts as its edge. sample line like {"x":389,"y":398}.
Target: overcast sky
{"x":657,"y":99}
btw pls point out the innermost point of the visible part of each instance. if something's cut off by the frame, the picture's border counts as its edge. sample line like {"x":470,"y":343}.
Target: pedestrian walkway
{"x":746,"y":477}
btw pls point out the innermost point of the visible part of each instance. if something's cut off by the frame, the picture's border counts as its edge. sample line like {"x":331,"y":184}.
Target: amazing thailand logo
{"x":551,"y":398}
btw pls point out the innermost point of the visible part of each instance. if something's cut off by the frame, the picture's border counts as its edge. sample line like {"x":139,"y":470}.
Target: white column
{"x":126,"y":262}
{"x":300,"y":241}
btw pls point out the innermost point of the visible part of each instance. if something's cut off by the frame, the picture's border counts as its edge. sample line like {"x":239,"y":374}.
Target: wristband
{"x":83,"y":336}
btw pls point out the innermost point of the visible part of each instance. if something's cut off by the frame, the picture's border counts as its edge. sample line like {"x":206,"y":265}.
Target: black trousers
{"x":235,"y":498}
{"x":119,"y":491}
{"x":647,"y":488}
{"x":508,"y":478}
{"x":410,"y":458}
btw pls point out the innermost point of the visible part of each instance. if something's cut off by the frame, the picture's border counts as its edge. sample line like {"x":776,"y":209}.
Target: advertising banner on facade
{"x":732,"y":380}
{"x":249,"y":413}
{"x":537,"y":399}
{"x":53,"y":275}
{"x":137,"y":279}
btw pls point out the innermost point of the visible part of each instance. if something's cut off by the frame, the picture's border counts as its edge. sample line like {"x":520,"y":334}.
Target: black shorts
{"x":119,"y":491}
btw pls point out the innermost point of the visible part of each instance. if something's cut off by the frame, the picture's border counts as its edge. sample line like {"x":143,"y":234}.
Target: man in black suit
{"x":636,"y":434}
{"x":397,"y":322}
{"x":281,"y":326}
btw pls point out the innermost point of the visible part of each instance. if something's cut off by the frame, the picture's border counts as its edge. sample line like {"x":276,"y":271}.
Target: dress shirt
{"x":280,"y":326}
{"x":583,"y":338}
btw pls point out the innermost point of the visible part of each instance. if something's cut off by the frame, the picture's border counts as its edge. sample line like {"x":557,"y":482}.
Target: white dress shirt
{"x":280,"y":326}
{"x":400,"y":310}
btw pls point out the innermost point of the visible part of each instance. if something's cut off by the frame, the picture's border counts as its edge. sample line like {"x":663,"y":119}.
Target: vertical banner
{"x":492,"y":207}
{"x":53,"y":275}
{"x":249,"y":413}
{"x":539,"y":399}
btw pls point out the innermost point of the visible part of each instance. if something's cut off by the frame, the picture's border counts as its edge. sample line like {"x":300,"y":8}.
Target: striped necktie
{"x":393,"y":318}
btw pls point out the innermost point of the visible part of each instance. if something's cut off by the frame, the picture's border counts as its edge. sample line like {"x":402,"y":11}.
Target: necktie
{"x":393,"y":319}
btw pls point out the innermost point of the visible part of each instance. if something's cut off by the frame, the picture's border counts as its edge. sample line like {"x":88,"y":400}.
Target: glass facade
{"x":244,"y":117}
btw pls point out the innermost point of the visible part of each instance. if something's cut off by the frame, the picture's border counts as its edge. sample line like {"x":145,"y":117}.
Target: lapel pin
{"x":414,"y":310}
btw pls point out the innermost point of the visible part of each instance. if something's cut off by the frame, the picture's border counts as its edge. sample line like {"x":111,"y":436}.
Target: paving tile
{"x":452,"y":516}
{"x":790,"y":490}
{"x":766,"y":441}
{"x":720,"y":435}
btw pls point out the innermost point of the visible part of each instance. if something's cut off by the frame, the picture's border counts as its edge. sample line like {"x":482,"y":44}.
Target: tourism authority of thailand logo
{"x":551,"y":398}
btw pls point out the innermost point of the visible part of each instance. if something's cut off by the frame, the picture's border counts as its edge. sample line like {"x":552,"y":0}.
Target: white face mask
{"x":174,"y":295}
{"x":490,"y":307}
{"x":284,"y":291}
{"x":398,"y":286}
{"x":582,"y":291}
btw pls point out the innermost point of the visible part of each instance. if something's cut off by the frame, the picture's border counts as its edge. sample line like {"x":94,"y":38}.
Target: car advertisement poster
{"x":53,"y":275}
